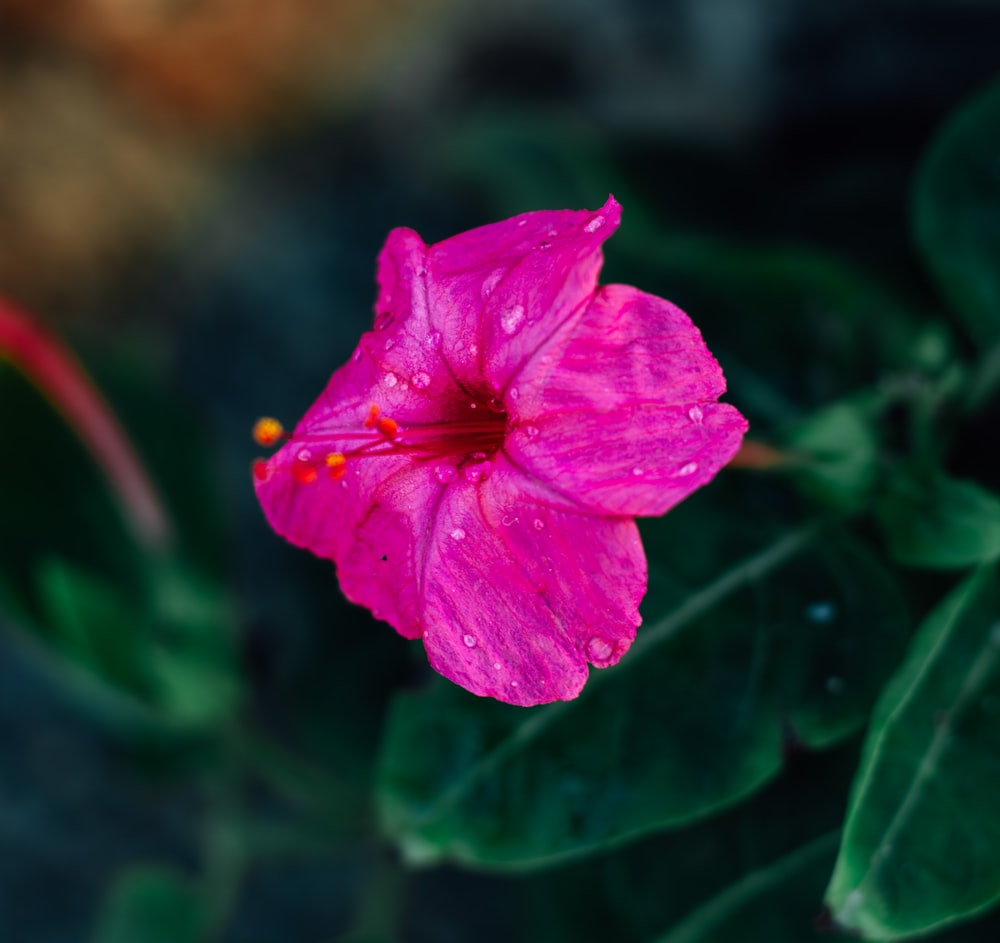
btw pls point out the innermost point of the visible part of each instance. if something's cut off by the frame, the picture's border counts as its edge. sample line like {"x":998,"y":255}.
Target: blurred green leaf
{"x":835,"y":455}
{"x":168,"y":661}
{"x":777,"y":902}
{"x":152,"y":905}
{"x":931,"y":520}
{"x":921,"y":845}
{"x":781,"y":645}
{"x":192,"y":656}
{"x":93,"y":623}
{"x":957,"y":214}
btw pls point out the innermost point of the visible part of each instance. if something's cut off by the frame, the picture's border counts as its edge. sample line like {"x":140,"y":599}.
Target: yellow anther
{"x":267,"y":431}
{"x":336,"y":462}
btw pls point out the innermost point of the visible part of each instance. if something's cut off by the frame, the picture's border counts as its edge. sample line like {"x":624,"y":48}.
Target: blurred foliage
{"x":207,"y":742}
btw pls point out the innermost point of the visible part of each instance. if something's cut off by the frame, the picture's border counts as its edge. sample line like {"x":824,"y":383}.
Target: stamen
{"x":304,"y":473}
{"x":267,"y":431}
{"x":336,"y":462}
{"x":388,"y":427}
{"x":467,"y":440}
{"x":261,"y":470}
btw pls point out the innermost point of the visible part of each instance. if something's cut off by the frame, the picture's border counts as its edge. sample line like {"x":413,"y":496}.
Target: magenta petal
{"x":519,"y":596}
{"x":498,"y":292}
{"x":618,"y":412}
{"x":382,"y":565}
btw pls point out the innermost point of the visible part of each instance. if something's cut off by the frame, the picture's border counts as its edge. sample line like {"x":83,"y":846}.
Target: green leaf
{"x":637,"y":892}
{"x":777,"y":902}
{"x":93,"y":623}
{"x":957,"y":213}
{"x":837,"y":453}
{"x":694,"y":718}
{"x":152,"y":905}
{"x":931,"y":520}
{"x":192,"y":656}
{"x":921,"y":845}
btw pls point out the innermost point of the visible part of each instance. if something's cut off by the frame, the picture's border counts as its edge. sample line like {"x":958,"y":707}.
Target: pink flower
{"x":475,"y":470}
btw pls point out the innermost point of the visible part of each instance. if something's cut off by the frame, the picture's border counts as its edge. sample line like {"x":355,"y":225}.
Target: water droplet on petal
{"x":356,"y":356}
{"x":552,"y":232}
{"x":458,"y":534}
{"x":508,"y":519}
{"x":539,"y":524}
{"x":497,"y":665}
{"x":522,"y":222}
{"x":389,"y":344}
{"x":469,"y":640}
{"x":495,"y":404}
{"x":420,"y":380}
{"x":473,"y":350}
{"x":433,"y":340}
{"x":490,"y":282}
{"x":513,"y":684}
{"x":383,"y":319}
{"x":303,"y":455}
{"x":638,"y":472}
{"x":512,"y":320}
{"x":544,"y":245}
{"x":696,"y":415}
{"x":600,"y":651}
{"x":596,"y":223}
{"x":390,"y":379}
{"x":513,"y":392}
{"x":531,"y":431}
{"x":478,"y":472}
{"x":446,"y":474}
{"x":688,"y":469}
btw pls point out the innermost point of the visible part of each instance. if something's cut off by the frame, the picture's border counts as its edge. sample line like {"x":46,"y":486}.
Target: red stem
{"x":53,"y":369}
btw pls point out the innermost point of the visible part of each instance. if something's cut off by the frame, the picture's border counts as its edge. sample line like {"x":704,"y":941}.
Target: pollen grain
{"x":267,"y":431}
{"x":336,"y":463}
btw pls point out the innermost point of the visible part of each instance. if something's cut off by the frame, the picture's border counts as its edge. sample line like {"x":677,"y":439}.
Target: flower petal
{"x":519,"y":596}
{"x":380,"y":568}
{"x":618,"y":412}
{"x":498,"y":292}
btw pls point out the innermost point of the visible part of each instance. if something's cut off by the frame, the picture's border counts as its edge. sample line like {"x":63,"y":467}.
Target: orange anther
{"x":261,"y":470}
{"x":372,"y":419}
{"x":304,"y":474}
{"x":337,"y":463}
{"x":267,"y":431}
{"x":388,"y":427}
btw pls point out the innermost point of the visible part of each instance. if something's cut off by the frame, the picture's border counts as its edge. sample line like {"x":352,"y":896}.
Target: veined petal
{"x":410,"y":379}
{"x":618,"y":412}
{"x":498,"y":292}
{"x":381,"y":565}
{"x":518,"y":596}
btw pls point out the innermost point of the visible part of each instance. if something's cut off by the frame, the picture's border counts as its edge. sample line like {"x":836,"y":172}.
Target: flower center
{"x":462,"y":445}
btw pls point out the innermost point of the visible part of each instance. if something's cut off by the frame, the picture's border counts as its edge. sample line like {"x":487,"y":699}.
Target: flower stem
{"x":57,"y":374}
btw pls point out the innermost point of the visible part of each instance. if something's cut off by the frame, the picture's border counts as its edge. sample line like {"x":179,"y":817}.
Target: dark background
{"x":194,"y":195}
